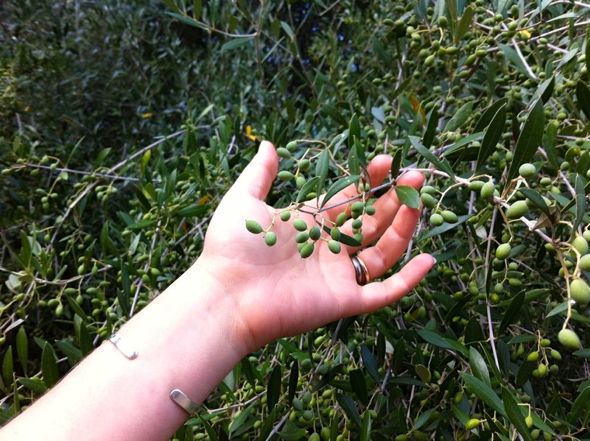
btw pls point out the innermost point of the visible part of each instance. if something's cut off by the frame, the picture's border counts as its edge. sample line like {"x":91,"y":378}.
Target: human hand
{"x":273,"y":291}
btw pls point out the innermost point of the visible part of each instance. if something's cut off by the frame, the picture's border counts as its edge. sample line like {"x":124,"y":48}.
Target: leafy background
{"x":123,"y":123}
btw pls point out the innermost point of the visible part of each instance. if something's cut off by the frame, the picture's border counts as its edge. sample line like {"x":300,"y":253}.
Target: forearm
{"x":186,"y":339}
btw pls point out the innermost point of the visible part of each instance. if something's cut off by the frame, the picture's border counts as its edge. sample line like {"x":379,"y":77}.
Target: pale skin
{"x":238,"y":296}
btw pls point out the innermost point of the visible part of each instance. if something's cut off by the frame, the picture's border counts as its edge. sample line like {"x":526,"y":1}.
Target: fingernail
{"x":433,"y":260}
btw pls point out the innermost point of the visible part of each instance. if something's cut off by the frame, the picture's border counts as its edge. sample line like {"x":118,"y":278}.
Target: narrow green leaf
{"x":235,"y":43}
{"x":366,"y":426}
{"x":273,"y":390}
{"x":396,"y":163}
{"x":322,"y":168}
{"x":354,"y":130}
{"x":460,"y":117}
{"x":441,"y":342}
{"x":8,"y":367}
{"x":197,"y":9}
{"x":22,"y":348}
{"x":239,"y":421}
{"x":584,"y":353}
{"x":479,"y":366}
{"x":530,"y":138}
{"x":193,"y":210}
{"x":513,"y":311}
{"x":515,"y":415}
{"x":408,"y":195}
{"x":370,"y":363}
{"x":440,"y":164}
{"x":486,"y":117}
{"x":580,"y":201}
{"x":492,"y":135}
{"x":536,"y":199}
{"x":349,"y":408}
{"x":338,"y":186}
{"x":430,"y":132}
{"x":73,"y":354}
{"x":293,"y":378}
{"x":583,"y":95}
{"x":33,"y":384}
{"x":354,"y":163}
{"x":308,"y":187}
{"x":288,"y":30}
{"x":464,"y":23}
{"x":359,"y":385}
{"x":483,"y":392}
{"x":292,"y":432}
{"x":49,"y":365}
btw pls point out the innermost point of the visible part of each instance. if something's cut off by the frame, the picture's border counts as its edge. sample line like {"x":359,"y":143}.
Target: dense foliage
{"x":123,"y":123}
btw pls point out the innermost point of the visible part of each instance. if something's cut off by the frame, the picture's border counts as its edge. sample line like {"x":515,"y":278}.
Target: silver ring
{"x":127,"y":352}
{"x":360,"y":270}
{"x":180,"y":398}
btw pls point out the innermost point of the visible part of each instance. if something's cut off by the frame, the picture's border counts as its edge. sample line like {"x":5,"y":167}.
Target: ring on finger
{"x":360,"y":270}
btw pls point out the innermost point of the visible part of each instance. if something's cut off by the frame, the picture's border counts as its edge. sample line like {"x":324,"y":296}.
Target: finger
{"x":379,"y":294}
{"x":386,"y":208}
{"x":377,"y":169}
{"x":392,"y":244}
{"x":257,"y":177}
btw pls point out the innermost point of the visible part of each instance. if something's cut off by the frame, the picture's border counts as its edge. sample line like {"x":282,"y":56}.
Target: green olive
{"x":580,"y":244}
{"x":285,"y":216}
{"x":334,"y":246}
{"x":283,"y":153}
{"x":436,"y":220}
{"x":285,"y":175}
{"x":584,"y":263}
{"x":449,"y":216}
{"x":580,"y":291}
{"x":300,"y":225}
{"x":476,"y":185}
{"x":270,"y":238}
{"x":472,"y":423}
{"x":428,"y":200}
{"x":301,"y":237}
{"x":306,"y":250}
{"x":569,"y":339}
{"x":315,"y":232}
{"x":487,"y":190}
{"x":341,"y":218}
{"x":253,"y":227}
{"x":517,"y":209}
{"x":527,"y":170}
{"x":503,"y":251}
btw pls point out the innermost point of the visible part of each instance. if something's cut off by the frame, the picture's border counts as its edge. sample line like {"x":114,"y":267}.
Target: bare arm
{"x":238,"y":296}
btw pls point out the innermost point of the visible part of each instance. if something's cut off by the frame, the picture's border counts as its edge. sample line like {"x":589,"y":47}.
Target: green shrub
{"x":94,"y":224}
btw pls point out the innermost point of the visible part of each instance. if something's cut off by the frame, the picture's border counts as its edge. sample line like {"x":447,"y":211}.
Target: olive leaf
{"x":408,"y":195}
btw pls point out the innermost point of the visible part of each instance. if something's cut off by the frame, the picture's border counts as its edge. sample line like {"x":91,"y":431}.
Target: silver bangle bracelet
{"x":176,"y":395}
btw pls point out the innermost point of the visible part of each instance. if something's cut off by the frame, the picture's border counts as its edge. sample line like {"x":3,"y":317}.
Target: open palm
{"x":276,"y":292}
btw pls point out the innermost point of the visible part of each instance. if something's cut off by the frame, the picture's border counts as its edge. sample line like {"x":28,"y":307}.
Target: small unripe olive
{"x":270,"y":238}
{"x":253,"y":227}
{"x":370,"y":210}
{"x":476,"y":185}
{"x":306,"y":250}
{"x":301,"y":237}
{"x":335,"y":233}
{"x":357,"y":223}
{"x":555,"y":354}
{"x":569,"y":339}
{"x":449,"y":216}
{"x":528,"y":421}
{"x":542,"y":369}
{"x":580,"y":244}
{"x":304,"y":164}
{"x":580,"y":291}
{"x":300,"y":225}
{"x":503,"y":251}
{"x":283,"y":153}
{"x":334,"y":246}
{"x":291,"y":146}
{"x":299,"y":181}
{"x":428,"y":200}
{"x":357,"y":206}
{"x":436,"y":220}
{"x":340,"y":219}
{"x":285,"y":216}
{"x":527,"y":170}
{"x":285,"y":175}
{"x":428,"y":189}
{"x":517,"y":209}
{"x":472,"y":423}
{"x":487,"y":190}
{"x":533,"y":356}
{"x":584,"y":263}
{"x":315,"y":232}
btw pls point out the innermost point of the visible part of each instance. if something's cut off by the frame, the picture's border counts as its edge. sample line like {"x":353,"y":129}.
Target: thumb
{"x":257,"y":177}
